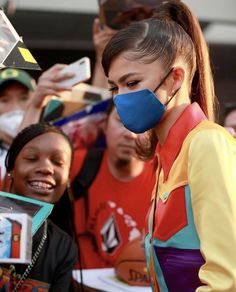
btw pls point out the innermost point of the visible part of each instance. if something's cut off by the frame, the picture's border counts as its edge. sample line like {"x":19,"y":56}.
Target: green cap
{"x":17,"y":75}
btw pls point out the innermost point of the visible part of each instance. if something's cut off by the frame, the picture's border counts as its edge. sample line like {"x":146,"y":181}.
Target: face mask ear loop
{"x":163,"y":80}
{"x":172,"y":96}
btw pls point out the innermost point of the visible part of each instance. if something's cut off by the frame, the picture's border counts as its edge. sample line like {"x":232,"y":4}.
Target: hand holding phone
{"x":80,"y":69}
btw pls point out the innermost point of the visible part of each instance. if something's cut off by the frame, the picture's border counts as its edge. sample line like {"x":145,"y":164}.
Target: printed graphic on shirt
{"x":114,"y":223}
{"x":110,"y":235}
{"x":8,"y":283}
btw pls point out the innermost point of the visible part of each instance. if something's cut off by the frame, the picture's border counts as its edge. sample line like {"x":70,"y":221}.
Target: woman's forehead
{"x":48,"y":140}
{"x":122,"y":66}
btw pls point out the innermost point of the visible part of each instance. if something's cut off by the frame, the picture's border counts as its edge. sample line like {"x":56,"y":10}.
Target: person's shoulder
{"x":212,"y":139}
{"x":60,"y":236}
{"x":55,"y":230}
{"x":78,"y":159}
{"x":211,"y":133}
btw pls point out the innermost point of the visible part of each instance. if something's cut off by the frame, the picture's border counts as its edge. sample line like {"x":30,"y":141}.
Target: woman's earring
{"x":9,"y":175}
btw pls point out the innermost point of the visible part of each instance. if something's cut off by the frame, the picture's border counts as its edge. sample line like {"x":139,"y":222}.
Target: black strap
{"x":81,"y":184}
{"x":86,"y":176}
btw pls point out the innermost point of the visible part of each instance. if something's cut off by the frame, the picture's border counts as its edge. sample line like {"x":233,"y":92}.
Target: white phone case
{"x":81,"y":69}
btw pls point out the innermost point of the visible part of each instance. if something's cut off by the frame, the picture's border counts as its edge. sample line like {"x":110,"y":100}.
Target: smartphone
{"x":82,"y":70}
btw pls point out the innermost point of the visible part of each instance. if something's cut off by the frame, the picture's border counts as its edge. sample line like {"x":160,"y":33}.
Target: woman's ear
{"x":177,"y":79}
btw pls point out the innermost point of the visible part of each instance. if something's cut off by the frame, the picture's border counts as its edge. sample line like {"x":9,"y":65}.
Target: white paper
{"x":105,"y":280}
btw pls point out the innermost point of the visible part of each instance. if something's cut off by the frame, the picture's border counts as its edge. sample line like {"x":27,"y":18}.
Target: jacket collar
{"x":189,"y":119}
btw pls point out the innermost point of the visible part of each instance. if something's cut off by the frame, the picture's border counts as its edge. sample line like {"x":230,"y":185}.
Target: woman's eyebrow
{"x":124,"y":77}
{"x":30,"y":148}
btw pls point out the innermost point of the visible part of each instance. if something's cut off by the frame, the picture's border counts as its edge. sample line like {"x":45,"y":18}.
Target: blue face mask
{"x":140,"y":110}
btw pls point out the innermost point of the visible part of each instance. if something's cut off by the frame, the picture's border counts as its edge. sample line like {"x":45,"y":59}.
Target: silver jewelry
{"x":34,"y":259}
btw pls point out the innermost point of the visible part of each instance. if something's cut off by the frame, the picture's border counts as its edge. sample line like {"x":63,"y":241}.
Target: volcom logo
{"x":110,"y":235}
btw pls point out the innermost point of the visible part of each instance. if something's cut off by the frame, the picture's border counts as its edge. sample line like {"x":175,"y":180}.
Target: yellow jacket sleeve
{"x":212,"y":181}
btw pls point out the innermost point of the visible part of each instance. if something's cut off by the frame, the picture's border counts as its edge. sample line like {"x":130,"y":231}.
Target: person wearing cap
{"x":16,"y":87}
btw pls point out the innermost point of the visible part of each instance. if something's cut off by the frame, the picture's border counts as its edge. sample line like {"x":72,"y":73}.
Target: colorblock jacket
{"x":191,"y":226}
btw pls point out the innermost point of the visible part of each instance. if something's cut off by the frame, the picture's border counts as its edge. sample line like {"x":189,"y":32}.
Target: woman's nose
{"x":122,"y":91}
{"x":45,"y":167}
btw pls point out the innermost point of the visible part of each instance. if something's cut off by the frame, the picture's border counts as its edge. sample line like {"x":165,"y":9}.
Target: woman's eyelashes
{"x":57,"y":161}
{"x":113,"y":90}
{"x":129,"y":85}
{"x":132,"y":84}
{"x":30,"y":158}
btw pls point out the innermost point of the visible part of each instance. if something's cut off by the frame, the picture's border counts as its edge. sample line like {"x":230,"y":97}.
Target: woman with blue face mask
{"x":159,"y":73}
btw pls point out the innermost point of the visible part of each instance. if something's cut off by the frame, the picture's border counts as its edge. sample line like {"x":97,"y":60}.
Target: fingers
{"x":99,"y":28}
{"x":96,"y":26}
{"x":52,"y":78}
{"x":101,"y":36}
{"x":49,"y":84}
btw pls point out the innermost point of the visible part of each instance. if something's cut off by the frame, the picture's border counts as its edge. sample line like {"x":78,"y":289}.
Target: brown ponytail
{"x":202,"y":85}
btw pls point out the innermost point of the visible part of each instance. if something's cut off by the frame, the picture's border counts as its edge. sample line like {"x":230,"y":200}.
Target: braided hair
{"x":25,"y":136}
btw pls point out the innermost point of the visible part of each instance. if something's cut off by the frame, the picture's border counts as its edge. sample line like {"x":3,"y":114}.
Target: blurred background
{"x":61,"y":32}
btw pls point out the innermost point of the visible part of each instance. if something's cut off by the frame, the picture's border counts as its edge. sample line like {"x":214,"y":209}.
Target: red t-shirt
{"x":117,"y":212}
